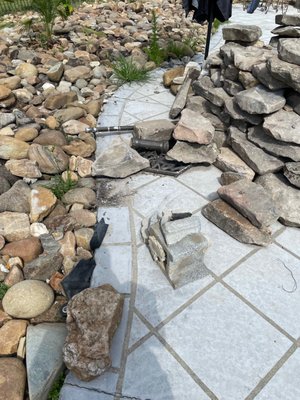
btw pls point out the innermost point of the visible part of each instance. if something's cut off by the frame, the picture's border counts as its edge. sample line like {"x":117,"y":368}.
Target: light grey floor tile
{"x":223,"y":251}
{"x":165,"y":98}
{"x":155,"y":298}
{"x":108,"y":120}
{"x":144,"y":109}
{"x":118,"y":339}
{"x":152,"y":373}
{"x":75,"y":393}
{"x":114,"y":106}
{"x":225,"y":343}
{"x":166,"y":193}
{"x":140,"y":179}
{"x":113,"y":266}
{"x":285,"y":384}
{"x":164,"y":115}
{"x":138,"y":224}
{"x":138,"y":330}
{"x":119,"y":224}
{"x":203,"y":180}
{"x":269,"y":285}
{"x":127,"y":119}
{"x":106,"y":382}
{"x":290,"y":239}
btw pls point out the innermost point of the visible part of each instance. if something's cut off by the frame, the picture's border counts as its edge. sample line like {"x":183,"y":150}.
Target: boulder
{"x":42,"y":202}
{"x":67,"y":245}
{"x":37,"y":229}
{"x":74,"y":127}
{"x":47,"y":263}
{"x":55,"y":73}
{"x":6,"y":119}
{"x":287,"y":31}
{"x":27,"y":249}
{"x":14,"y":226}
{"x":283,"y":126}
{"x":116,"y":159}
{"x":258,"y":136}
{"x":27,"y":133}
{"x":251,"y":200}
{"x":171,"y":74}
{"x":48,"y":137}
{"x":84,"y":196}
{"x":261,"y":72}
{"x":68,"y":114}
{"x":84,"y":167}
{"x":15,"y":274}
{"x":287,"y":19}
{"x":50,"y":159}
{"x":260,"y":100}
{"x":228,"y":161}
{"x":27,"y":299}
{"x":59,"y":100}
{"x":241,"y":33}
{"x":24,"y":168}
{"x":193,"y":153}
{"x":16,"y":199}
{"x":13,"y":148}
{"x":234,"y":224}
{"x":160,"y":129}
{"x":289,"y":50}
{"x":204,"y":87}
{"x":256,"y":158}
{"x":26,"y":70}
{"x":246,"y":57}
{"x":286,"y":72}
{"x":93,"y":317}
{"x":83,"y":218}
{"x":12,"y":379}
{"x":12,"y":82}
{"x":194,"y":128}
{"x":82,"y":148}
{"x":237,"y":114}
{"x":10,"y":335}
{"x":44,"y":361}
{"x":72,"y":74}
{"x":292,"y":173}
{"x":285,"y":197}
{"x":83,"y":237}
{"x":4,"y":92}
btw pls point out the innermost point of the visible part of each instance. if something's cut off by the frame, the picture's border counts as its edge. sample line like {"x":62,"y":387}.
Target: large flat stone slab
{"x":228,"y":161}
{"x":256,"y":158}
{"x":246,"y":57}
{"x":251,"y":200}
{"x":285,"y":197}
{"x":292,"y":173}
{"x":160,"y":129}
{"x":285,"y":72}
{"x":289,"y":50}
{"x":275,"y":147}
{"x":261,"y":72}
{"x":234,"y":224}
{"x":193,"y":153}
{"x":284,"y":126}
{"x":287,"y":31}
{"x":205,"y":88}
{"x":240,"y":115}
{"x":44,"y":361}
{"x":259,"y":100}
{"x":194,"y":128}
{"x":241,"y":33}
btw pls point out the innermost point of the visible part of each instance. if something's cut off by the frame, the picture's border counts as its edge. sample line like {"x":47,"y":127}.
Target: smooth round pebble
{"x":28,"y":299}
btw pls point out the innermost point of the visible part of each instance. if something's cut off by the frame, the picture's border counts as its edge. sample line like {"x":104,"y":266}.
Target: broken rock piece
{"x":93,"y":317}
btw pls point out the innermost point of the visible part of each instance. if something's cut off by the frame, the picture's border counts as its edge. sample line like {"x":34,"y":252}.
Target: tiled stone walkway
{"x":233,"y":335}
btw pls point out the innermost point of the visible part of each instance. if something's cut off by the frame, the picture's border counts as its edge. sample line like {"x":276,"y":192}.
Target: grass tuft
{"x":3,"y":289}
{"x":126,"y":71}
{"x":55,"y":390}
{"x":59,"y":187}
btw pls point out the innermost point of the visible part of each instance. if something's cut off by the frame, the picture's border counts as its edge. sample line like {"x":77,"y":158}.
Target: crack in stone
{"x":107,"y":393}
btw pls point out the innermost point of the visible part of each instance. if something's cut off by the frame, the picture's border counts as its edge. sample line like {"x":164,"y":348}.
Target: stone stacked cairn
{"x":244,"y":117}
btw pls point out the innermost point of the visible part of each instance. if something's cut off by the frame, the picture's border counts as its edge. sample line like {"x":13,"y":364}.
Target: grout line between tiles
{"x":265,"y":380}
{"x":287,"y":250}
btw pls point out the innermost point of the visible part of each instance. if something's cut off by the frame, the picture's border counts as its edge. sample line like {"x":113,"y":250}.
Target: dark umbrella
{"x":209,"y":27}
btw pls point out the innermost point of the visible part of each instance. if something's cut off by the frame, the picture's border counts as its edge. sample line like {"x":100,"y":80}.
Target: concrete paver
{"x":233,"y":335}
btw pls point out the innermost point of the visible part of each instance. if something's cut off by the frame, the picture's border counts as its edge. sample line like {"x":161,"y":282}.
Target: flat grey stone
{"x":234,"y":224}
{"x":285,"y":72}
{"x":284,"y":126}
{"x":205,"y":88}
{"x":258,"y":136}
{"x":293,"y":100}
{"x":251,"y":200}
{"x":16,"y":199}
{"x":247,"y":79}
{"x":260,"y":100}
{"x":292,"y":173}
{"x":193,"y":153}
{"x":227,"y":52}
{"x":289,"y":50}
{"x":203,"y":107}
{"x":232,"y":88}
{"x":287,"y":19}
{"x":245,"y":57}
{"x":287,"y":31}
{"x":44,"y":361}
{"x":242,"y":33}
{"x":228,"y":161}
{"x":116,"y":159}
{"x":229,"y":177}
{"x":256,"y":158}
{"x":160,"y":129}
{"x":237,"y":114}
{"x":174,"y":231}
{"x":261,"y":72}
{"x":285,"y":197}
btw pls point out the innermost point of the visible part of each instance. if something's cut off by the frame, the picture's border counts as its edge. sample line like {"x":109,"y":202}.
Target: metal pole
{"x":209,"y":27}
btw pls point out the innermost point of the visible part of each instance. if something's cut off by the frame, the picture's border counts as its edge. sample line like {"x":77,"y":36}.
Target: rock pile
{"x":244,"y":117}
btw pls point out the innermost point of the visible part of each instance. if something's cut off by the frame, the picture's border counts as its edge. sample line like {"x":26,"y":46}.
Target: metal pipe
{"x":160,"y":146}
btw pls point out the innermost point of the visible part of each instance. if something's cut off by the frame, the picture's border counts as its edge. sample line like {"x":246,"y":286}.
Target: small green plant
{"x":154,"y":51}
{"x":126,"y":70}
{"x":59,"y":186}
{"x":3,"y":289}
{"x":89,"y":31}
{"x":55,"y":390}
